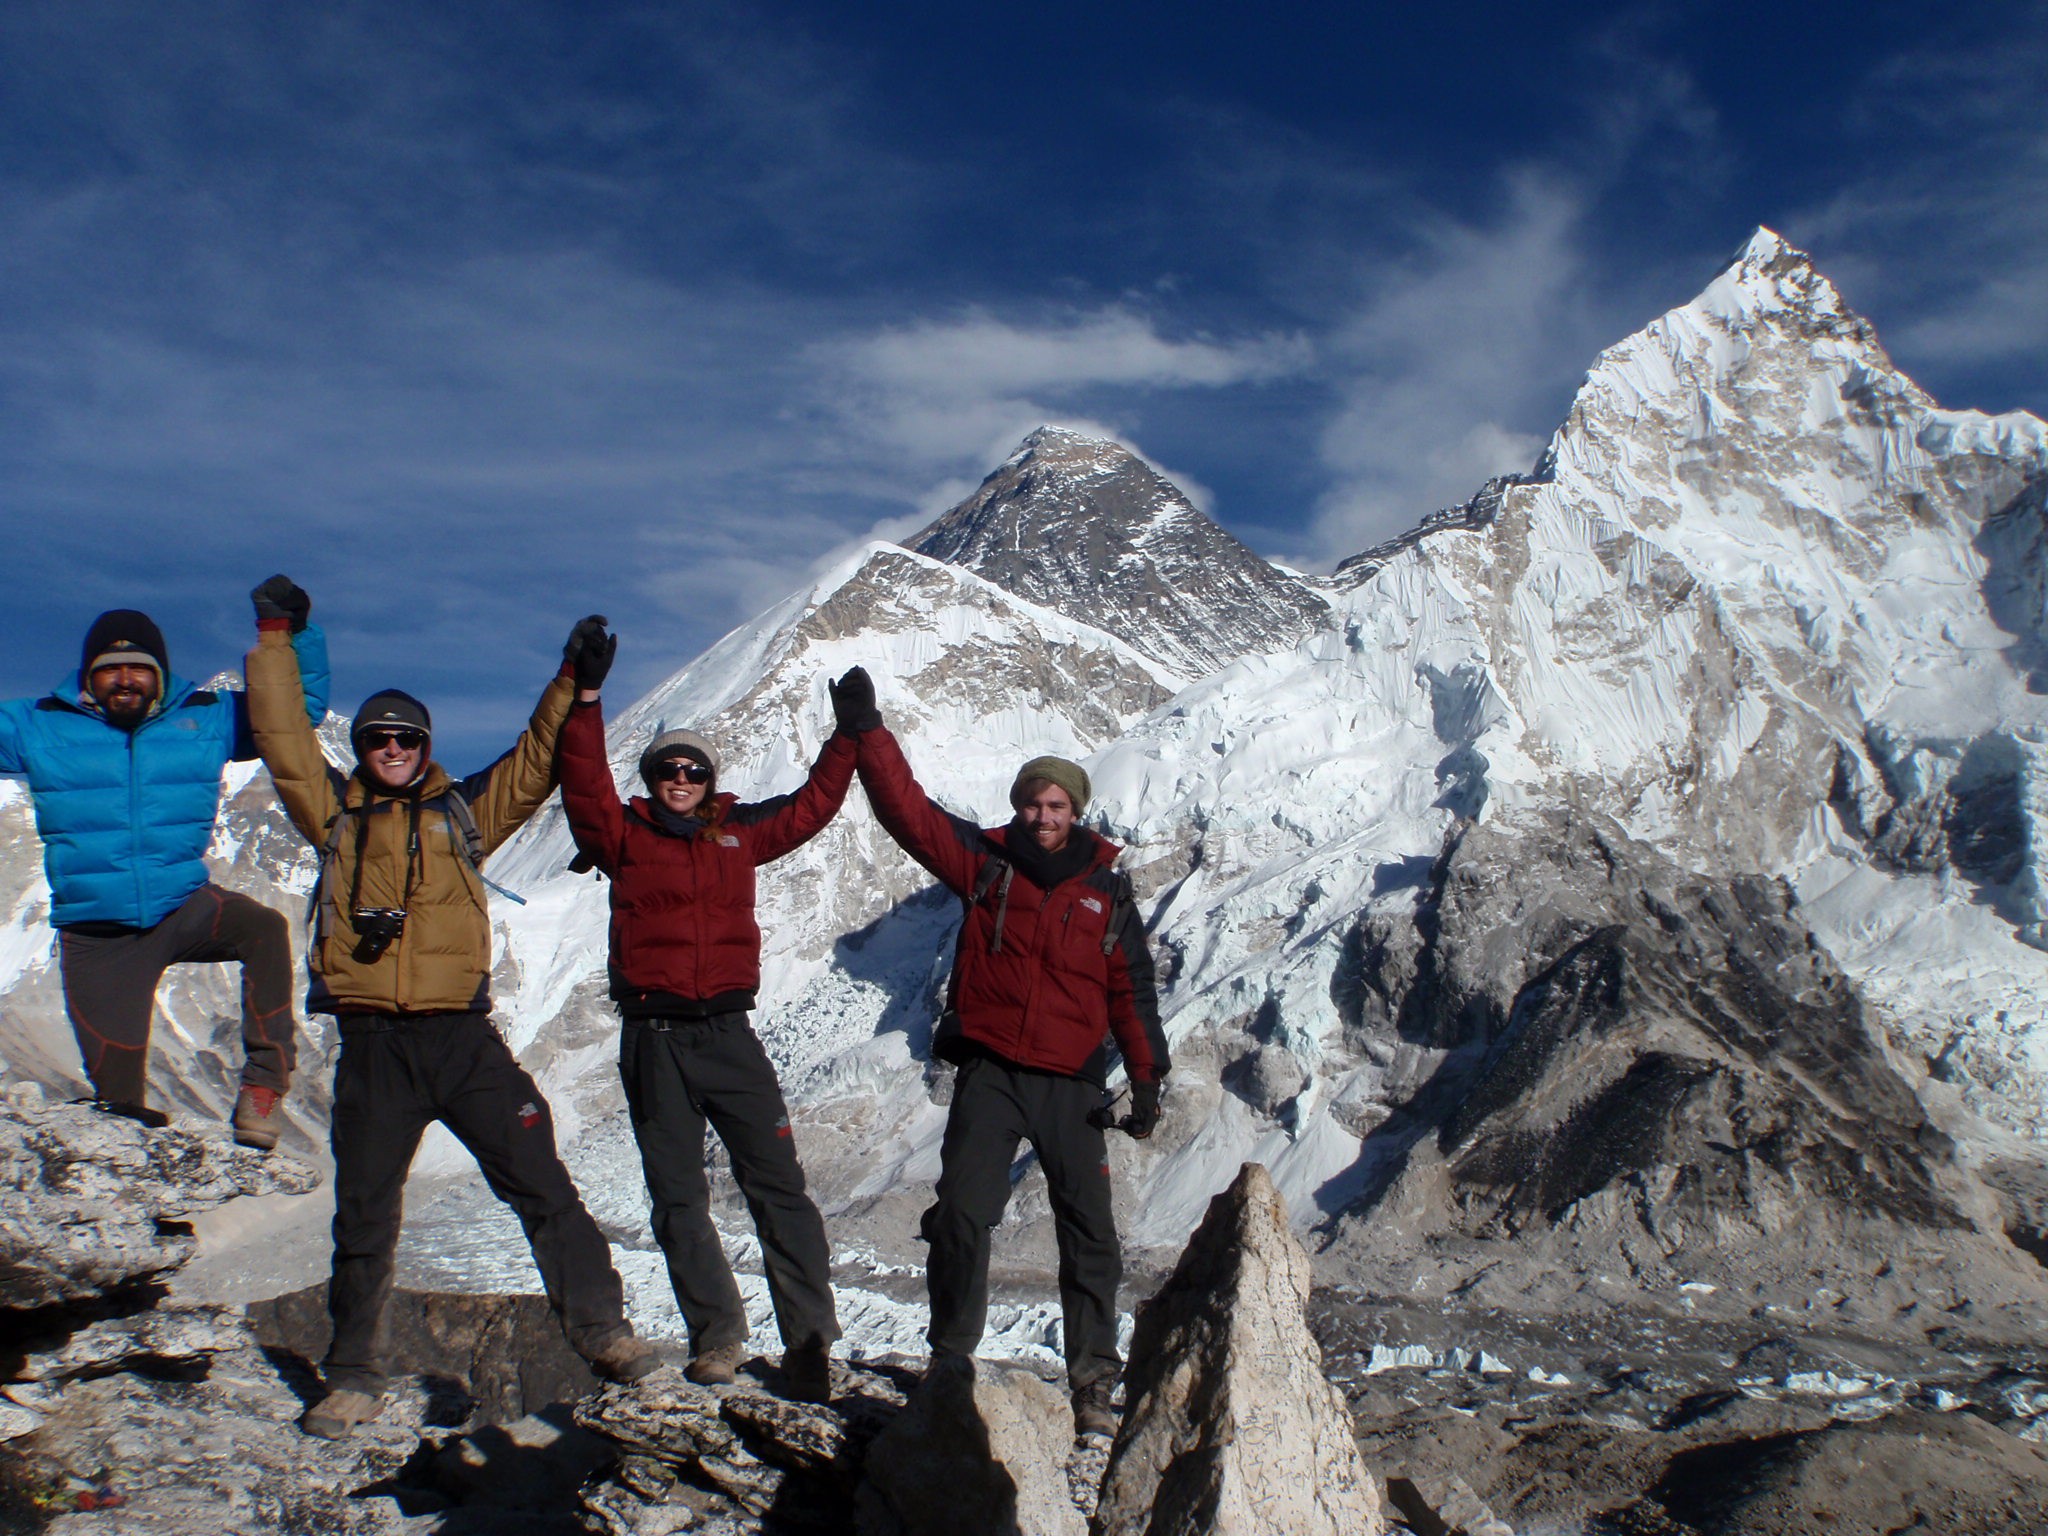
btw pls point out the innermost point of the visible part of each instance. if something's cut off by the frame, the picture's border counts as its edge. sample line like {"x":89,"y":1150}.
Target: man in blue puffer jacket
{"x":123,"y":760}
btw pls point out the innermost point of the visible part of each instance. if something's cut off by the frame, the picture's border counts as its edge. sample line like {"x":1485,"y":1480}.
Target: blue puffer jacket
{"x":126,"y":816}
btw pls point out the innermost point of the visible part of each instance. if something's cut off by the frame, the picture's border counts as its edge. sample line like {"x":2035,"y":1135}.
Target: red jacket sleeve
{"x":947,"y":845}
{"x":789,"y":821}
{"x":596,"y":817}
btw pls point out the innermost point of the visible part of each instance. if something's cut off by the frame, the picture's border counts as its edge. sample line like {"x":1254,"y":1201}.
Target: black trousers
{"x":679,"y":1075}
{"x":110,"y":983}
{"x":397,"y":1075}
{"x":995,"y":1106}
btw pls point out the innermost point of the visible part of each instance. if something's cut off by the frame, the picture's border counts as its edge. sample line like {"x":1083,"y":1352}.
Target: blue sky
{"x":478,"y":317}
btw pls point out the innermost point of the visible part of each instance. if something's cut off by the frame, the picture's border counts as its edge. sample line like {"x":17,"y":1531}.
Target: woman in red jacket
{"x":685,"y":964}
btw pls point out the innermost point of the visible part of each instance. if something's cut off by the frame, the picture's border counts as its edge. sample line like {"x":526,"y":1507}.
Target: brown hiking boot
{"x":807,"y":1372}
{"x":627,"y":1359}
{"x":257,"y":1120}
{"x":1095,"y":1407}
{"x":716,"y":1367}
{"x":337,"y":1414}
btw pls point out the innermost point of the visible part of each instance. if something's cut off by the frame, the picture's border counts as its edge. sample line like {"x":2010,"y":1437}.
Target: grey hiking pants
{"x":397,"y":1075}
{"x":995,"y":1106}
{"x":679,"y":1074}
{"x":110,"y":982}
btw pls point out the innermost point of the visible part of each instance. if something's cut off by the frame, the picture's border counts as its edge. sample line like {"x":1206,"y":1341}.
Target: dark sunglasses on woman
{"x":681,"y":768}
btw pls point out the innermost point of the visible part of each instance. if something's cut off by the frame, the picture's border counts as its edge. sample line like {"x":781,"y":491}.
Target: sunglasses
{"x":409,"y":741}
{"x":681,"y":768}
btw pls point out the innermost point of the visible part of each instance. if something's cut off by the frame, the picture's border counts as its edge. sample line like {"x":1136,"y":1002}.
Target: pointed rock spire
{"x":1232,"y":1428}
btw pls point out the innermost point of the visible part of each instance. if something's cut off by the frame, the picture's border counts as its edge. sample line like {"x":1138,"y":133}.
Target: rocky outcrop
{"x":1232,"y":1429}
{"x":98,"y":1204}
{"x":977,"y":1448}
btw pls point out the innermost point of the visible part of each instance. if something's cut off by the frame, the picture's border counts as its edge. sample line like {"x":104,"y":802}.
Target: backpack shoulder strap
{"x":463,"y":820}
{"x":995,"y":873}
{"x":1123,"y":907}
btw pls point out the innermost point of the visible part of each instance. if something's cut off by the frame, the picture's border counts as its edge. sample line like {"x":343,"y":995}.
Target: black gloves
{"x":282,"y":598}
{"x":853,"y":702}
{"x":589,"y":651}
{"x":1144,"y":1116}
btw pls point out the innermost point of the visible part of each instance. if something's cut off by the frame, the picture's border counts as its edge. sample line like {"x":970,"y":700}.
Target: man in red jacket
{"x":1051,"y":962}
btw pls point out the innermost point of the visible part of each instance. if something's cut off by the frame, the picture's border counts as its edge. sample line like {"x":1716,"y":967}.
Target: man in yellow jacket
{"x":401,"y":956}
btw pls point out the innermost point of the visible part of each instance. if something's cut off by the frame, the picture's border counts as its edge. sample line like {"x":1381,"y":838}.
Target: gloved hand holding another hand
{"x":853,"y":702}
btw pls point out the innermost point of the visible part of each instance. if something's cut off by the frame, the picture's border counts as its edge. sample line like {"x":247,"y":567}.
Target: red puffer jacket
{"x":1034,"y":981}
{"x":683,"y":937}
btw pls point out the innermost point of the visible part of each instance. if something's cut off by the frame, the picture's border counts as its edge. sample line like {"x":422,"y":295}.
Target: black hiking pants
{"x":397,"y":1075}
{"x":110,"y":982}
{"x":996,"y":1105}
{"x":680,"y":1074}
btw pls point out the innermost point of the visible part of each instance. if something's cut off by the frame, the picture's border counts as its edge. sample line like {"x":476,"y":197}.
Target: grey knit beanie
{"x":677,"y":744}
{"x":1071,"y":777}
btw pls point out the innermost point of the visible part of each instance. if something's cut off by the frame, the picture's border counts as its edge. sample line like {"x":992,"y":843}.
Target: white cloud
{"x":943,"y":396}
{"x":1444,"y":364}
{"x":1944,"y":233}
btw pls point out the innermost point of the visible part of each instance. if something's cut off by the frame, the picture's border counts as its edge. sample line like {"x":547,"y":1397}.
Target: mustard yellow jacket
{"x":399,"y":849}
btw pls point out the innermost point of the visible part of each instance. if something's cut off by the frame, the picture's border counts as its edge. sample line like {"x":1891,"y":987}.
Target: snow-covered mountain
{"x":1762,"y":611}
{"x":1088,"y":529}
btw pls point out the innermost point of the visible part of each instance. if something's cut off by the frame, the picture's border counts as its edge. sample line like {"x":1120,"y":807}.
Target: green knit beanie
{"x":1071,"y":777}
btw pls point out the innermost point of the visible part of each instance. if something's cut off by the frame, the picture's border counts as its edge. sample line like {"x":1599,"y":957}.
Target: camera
{"x":377,"y":929}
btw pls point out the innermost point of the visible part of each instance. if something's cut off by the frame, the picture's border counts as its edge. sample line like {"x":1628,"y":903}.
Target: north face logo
{"x":529,"y":1114}
{"x":1091,"y":903}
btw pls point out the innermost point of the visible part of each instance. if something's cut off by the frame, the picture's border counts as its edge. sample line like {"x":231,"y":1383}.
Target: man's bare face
{"x":1048,"y":816}
{"x":124,"y":692}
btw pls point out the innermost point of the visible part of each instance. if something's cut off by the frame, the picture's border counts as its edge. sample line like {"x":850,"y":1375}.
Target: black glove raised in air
{"x":282,"y":598}
{"x":589,"y":651}
{"x":853,"y":702}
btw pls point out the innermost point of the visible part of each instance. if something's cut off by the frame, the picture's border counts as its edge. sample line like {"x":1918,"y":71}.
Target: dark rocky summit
{"x":1086,"y":528}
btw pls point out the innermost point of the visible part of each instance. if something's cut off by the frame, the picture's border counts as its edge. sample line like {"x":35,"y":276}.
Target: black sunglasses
{"x":410,"y":741}
{"x":681,"y":768}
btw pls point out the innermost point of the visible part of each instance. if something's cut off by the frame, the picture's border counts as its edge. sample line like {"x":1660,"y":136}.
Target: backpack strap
{"x":1123,"y":906}
{"x":468,"y":842}
{"x":463,"y":821}
{"x":995,"y":873}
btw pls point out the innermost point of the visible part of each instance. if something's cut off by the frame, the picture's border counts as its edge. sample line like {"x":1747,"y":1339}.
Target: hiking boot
{"x":807,"y":1372}
{"x":627,"y":1359}
{"x":716,"y":1367}
{"x":257,"y":1121}
{"x":155,"y":1119}
{"x":337,"y":1414}
{"x":1095,"y":1407}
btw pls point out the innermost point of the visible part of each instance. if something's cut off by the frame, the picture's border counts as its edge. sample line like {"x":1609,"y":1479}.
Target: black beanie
{"x":389,"y":709}
{"x":123,"y":629}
